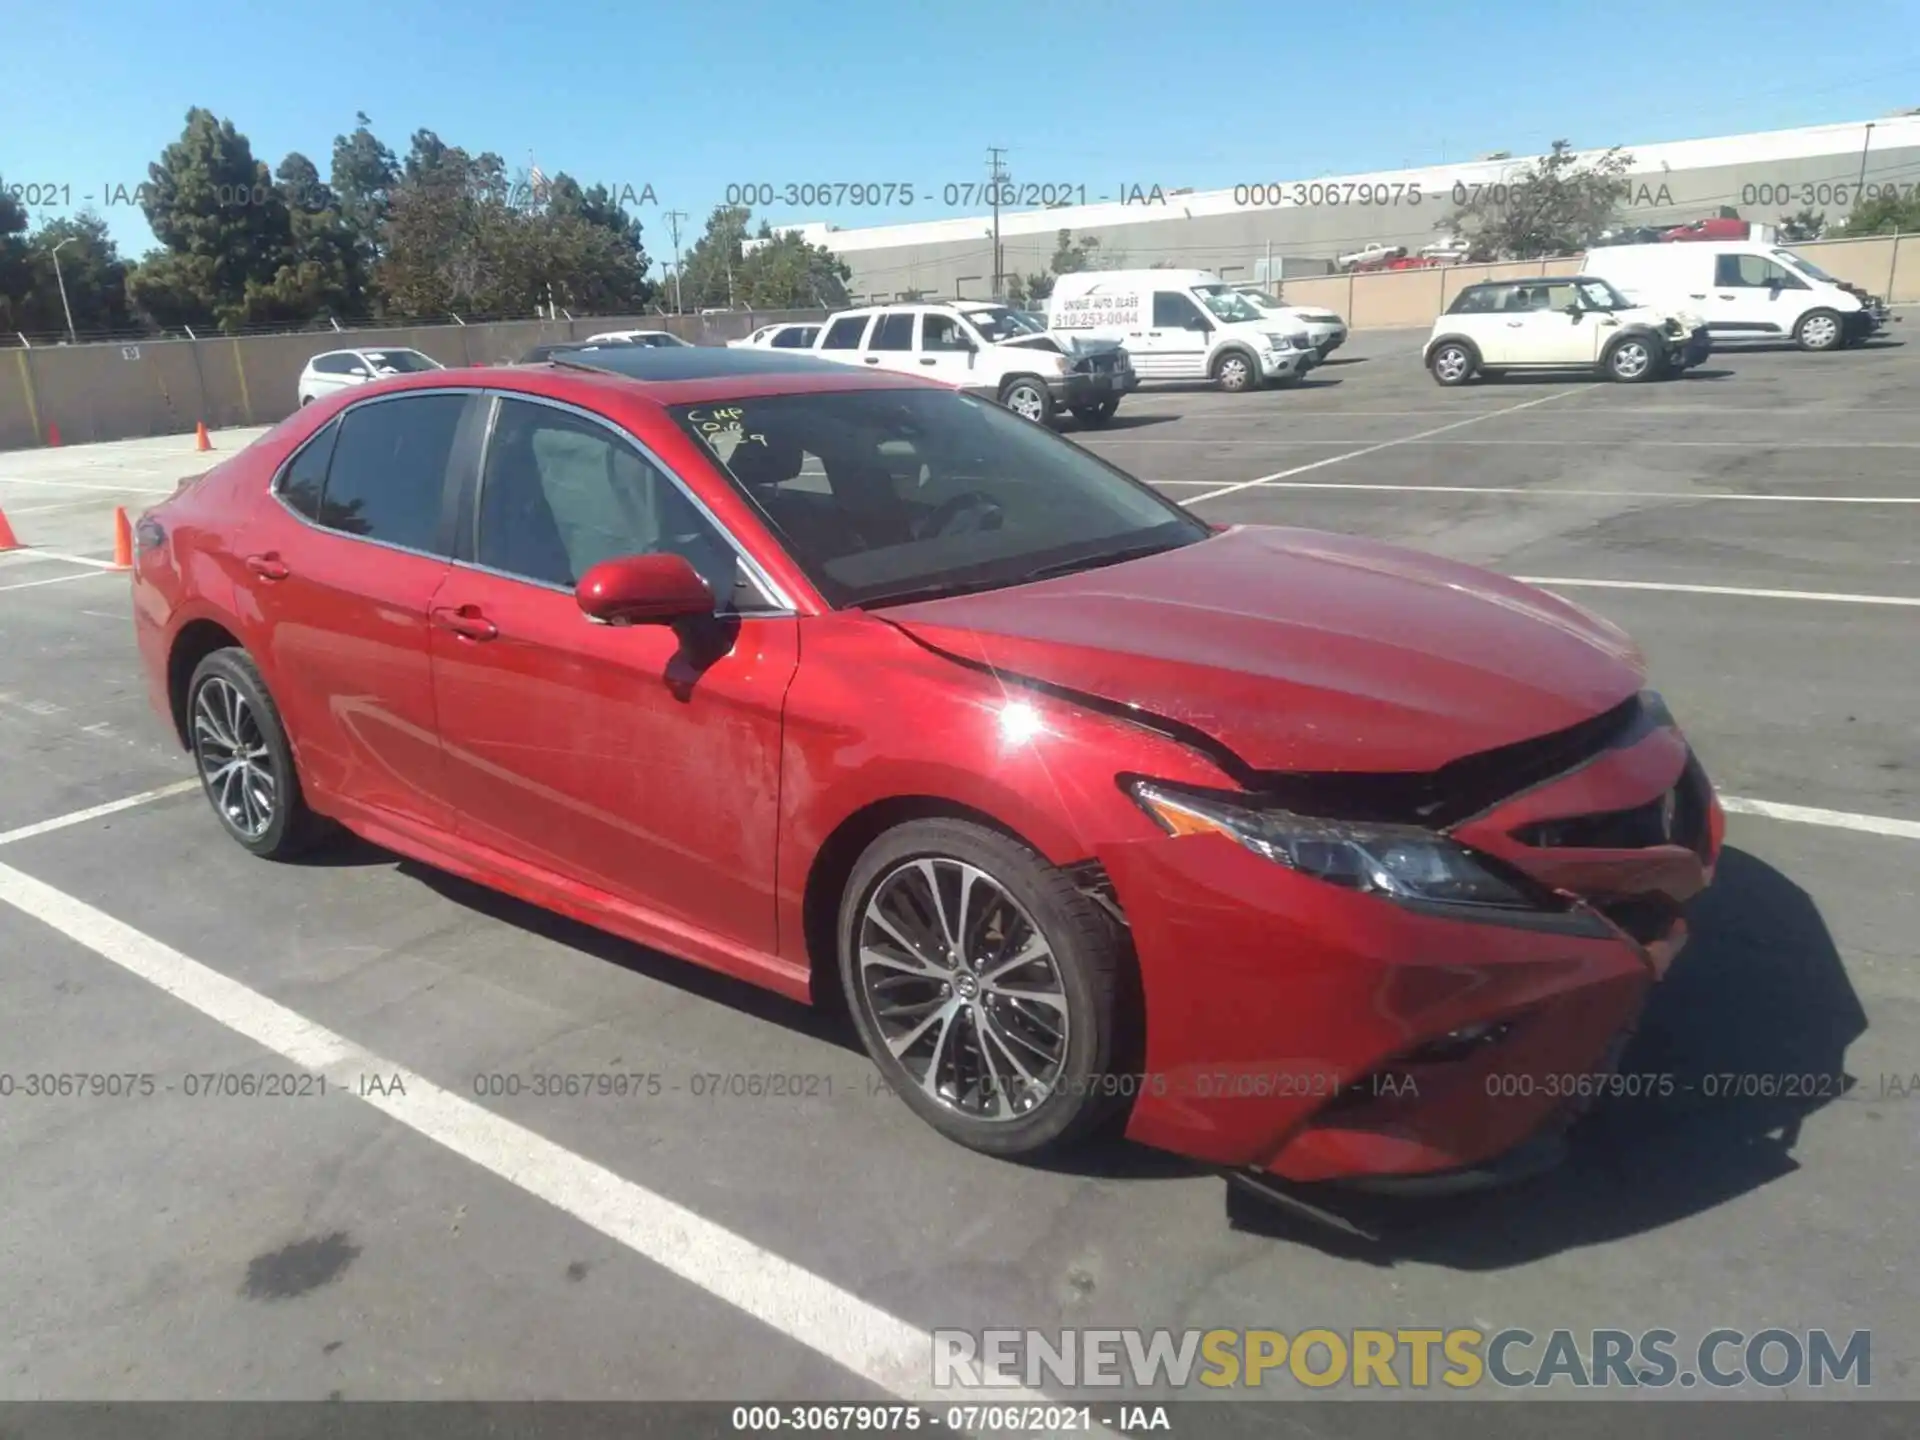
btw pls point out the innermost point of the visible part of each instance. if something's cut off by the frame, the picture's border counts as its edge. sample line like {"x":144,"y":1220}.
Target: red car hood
{"x":1303,"y":651}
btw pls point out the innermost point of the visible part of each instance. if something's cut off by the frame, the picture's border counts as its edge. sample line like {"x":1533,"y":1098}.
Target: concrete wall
{"x":1235,"y":245}
{"x":166,"y":387}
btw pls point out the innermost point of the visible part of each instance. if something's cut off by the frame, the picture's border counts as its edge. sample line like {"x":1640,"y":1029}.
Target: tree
{"x":1071,"y":256}
{"x":1805,"y":225}
{"x":1556,"y":205}
{"x":364,"y":174}
{"x":326,"y":271}
{"x":1884,"y":214}
{"x":90,"y":268}
{"x":224,"y":227}
{"x":784,"y":272}
{"x":15,"y":274}
{"x":708,"y":273}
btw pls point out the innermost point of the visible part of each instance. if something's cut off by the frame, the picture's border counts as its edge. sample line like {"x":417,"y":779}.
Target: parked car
{"x":1746,"y":290}
{"x":1304,"y":855}
{"x":787,"y":336}
{"x":1719,"y":227}
{"x":658,"y":338}
{"x":338,"y":369}
{"x":985,"y":349}
{"x":1630,"y":235}
{"x":1448,"y":247}
{"x":1180,"y":325}
{"x":541,"y":354}
{"x":1569,"y":322}
{"x":1374,"y":253}
{"x":1326,"y":331}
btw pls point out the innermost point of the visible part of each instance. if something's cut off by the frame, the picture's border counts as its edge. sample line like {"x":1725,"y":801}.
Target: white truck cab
{"x":986,"y":349}
{"x":1744,"y":290}
{"x":1181,"y":325}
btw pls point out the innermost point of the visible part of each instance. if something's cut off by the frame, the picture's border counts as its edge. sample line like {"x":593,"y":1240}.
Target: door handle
{"x":1699,"y":295}
{"x":1515,"y":324}
{"x":871,"y":359}
{"x":466,"y":621}
{"x":1725,"y":296}
{"x":928,"y":360}
{"x":268,"y":567}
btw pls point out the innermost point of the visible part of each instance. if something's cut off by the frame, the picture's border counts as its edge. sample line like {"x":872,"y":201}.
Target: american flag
{"x":538,"y":182}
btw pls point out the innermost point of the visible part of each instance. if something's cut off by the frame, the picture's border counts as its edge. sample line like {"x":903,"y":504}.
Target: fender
{"x":1437,"y":341}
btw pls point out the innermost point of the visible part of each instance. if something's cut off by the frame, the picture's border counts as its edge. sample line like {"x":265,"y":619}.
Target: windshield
{"x":1228,"y":305}
{"x":400,"y":362}
{"x":1804,"y":266}
{"x":1260,"y":300}
{"x":997,"y":322}
{"x":1597,"y":294}
{"x":890,"y":495}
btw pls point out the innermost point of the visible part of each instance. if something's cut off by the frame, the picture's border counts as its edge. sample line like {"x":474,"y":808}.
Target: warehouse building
{"x":1273,"y":226}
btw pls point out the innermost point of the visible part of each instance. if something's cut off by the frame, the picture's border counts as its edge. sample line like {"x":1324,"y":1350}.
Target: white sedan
{"x":656,"y":338}
{"x":337,"y":369}
{"x":785,"y":336}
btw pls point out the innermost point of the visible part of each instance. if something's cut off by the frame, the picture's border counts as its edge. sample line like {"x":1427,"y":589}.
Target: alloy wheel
{"x":1630,"y":361}
{"x":1026,"y":402}
{"x":963,"y":989}
{"x":1450,"y":364}
{"x":235,"y":761}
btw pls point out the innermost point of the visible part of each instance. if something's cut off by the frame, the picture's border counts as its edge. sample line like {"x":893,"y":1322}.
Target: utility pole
{"x":61,"y":280}
{"x":997,"y":174}
{"x":674,"y":217}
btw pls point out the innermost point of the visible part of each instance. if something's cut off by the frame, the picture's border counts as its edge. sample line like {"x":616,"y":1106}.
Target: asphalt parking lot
{"x":1753,"y":525}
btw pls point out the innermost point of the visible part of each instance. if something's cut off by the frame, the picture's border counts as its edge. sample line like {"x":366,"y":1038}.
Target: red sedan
{"x":1303,"y":855}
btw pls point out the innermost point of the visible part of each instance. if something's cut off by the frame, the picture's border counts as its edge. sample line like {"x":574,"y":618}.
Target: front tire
{"x":1820,"y":330}
{"x":1236,"y":372}
{"x":1097,"y":414}
{"x":1632,"y":360}
{"x":1029,"y":399}
{"x":985,"y":986}
{"x":245,"y":763}
{"x":1453,"y":363}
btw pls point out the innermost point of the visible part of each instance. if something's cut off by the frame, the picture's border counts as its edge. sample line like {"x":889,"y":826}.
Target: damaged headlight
{"x":1397,"y":862}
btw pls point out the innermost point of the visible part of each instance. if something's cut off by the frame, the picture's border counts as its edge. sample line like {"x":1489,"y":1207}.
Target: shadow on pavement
{"x":1758,"y":1001}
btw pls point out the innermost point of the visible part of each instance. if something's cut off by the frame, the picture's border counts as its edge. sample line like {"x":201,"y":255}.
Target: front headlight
{"x":1279,"y":342}
{"x":1396,"y":862}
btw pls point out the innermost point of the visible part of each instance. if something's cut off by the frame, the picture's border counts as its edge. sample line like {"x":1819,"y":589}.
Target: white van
{"x":1744,"y":289}
{"x":1180,"y":325}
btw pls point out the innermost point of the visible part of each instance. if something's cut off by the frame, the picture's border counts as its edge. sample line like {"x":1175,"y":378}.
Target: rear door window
{"x":894,"y":332}
{"x":845,"y":333}
{"x":389,"y":470}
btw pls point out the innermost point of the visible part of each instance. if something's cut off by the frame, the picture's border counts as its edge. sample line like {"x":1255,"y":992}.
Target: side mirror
{"x":359,"y":370}
{"x":643,"y":589}
{"x":1574,"y":310}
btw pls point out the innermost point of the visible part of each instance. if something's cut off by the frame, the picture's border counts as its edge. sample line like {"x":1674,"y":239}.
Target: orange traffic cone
{"x":200,"y":440}
{"x":122,"y":539}
{"x":53,"y":433}
{"x":8,"y":540}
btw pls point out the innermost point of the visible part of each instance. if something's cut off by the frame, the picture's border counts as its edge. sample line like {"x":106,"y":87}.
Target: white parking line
{"x":1813,"y":815}
{"x":61,"y":579}
{"x":1383,"y":445}
{"x":73,"y":559}
{"x":112,"y":807}
{"x":864,"y":1339}
{"x":1551,"y":492}
{"x":84,"y":485}
{"x":1562,"y":582}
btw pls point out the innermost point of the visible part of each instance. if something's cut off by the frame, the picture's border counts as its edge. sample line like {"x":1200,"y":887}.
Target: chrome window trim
{"x":777,"y":599}
{"x":280,"y":475}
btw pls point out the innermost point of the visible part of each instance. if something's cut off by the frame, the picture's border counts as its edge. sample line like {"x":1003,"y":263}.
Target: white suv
{"x":985,"y":349}
{"x":337,"y":369}
{"x":1326,"y":331}
{"x":1571,"y":322}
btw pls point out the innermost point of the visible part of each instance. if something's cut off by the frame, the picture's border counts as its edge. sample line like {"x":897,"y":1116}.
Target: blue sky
{"x":1102,"y":93}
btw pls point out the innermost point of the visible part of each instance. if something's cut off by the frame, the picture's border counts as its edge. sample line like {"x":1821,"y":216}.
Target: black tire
{"x":292,"y":828}
{"x":1819,"y":331}
{"x":1034,"y":402}
{"x":1236,"y":372}
{"x":1087,"y":957}
{"x":1633,"y":360}
{"x":1453,"y":362}
{"x":1096,"y":414}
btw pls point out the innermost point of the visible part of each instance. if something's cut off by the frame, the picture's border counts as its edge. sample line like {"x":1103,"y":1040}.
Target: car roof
{"x":699,"y":373}
{"x":1529,"y":280}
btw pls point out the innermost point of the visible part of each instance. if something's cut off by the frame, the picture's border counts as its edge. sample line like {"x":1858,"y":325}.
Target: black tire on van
{"x":1820,"y":330}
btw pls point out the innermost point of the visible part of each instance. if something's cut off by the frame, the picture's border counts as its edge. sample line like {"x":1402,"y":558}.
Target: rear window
{"x":400,"y":362}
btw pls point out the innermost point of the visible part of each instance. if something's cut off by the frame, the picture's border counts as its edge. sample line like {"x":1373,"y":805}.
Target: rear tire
{"x":1236,"y":372}
{"x":245,"y":763}
{"x":1819,"y":331}
{"x":1097,"y":414}
{"x":954,"y":1019}
{"x":1453,"y":363}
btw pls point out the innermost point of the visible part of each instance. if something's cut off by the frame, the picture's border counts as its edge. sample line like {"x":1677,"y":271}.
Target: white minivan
{"x":1744,"y":290}
{"x":1180,"y":325}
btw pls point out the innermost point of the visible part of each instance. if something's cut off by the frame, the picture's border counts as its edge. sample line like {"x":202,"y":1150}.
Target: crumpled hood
{"x":1303,"y":651}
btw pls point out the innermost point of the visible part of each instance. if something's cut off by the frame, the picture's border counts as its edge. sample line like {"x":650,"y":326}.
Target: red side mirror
{"x":643,"y":589}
